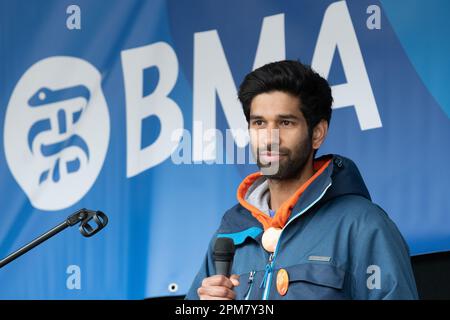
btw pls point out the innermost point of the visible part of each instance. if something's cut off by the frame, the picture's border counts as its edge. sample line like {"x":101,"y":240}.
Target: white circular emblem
{"x":56,"y":132}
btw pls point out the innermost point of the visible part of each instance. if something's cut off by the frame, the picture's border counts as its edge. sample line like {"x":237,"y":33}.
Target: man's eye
{"x":258,"y":122}
{"x":286,"y":122}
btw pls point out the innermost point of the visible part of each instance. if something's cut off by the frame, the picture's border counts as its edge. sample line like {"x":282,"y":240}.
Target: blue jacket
{"x":337,"y":244}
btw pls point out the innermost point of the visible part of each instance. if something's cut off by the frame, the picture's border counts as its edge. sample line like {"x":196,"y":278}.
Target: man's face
{"x":279,"y":135}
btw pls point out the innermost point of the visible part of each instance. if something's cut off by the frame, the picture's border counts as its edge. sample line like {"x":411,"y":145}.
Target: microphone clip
{"x":85,"y":216}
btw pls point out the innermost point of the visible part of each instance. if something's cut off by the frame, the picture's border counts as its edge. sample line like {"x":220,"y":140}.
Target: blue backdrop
{"x":90,"y":96}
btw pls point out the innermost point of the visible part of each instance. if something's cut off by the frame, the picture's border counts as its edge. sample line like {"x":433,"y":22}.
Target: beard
{"x":290,"y":164}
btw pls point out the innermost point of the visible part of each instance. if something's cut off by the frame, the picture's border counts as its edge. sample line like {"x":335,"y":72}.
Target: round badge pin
{"x":270,"y":238}
{"x":282,"y":282}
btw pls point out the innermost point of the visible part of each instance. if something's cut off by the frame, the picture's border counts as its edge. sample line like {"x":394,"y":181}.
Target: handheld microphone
{"x":223,"y":256}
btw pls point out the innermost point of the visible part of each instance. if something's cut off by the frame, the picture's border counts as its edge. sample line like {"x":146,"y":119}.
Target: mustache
{"x":273,"y":148}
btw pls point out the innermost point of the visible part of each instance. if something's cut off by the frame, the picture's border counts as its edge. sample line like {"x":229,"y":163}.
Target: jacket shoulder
{"x":236,"y":219}
{"x":358,"y":207}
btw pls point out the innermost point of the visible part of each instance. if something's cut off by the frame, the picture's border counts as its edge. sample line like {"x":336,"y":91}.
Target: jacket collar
{"x":239,"y":220}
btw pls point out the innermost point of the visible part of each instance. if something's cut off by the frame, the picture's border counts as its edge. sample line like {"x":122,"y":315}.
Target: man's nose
{"x":270,"y":135}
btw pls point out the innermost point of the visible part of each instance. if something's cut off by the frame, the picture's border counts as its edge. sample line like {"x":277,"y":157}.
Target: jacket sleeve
{"x":206,"y":270}
{"x":380,"y":260}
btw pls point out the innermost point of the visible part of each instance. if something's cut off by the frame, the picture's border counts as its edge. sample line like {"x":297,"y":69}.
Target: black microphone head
{"x":223,"y":249}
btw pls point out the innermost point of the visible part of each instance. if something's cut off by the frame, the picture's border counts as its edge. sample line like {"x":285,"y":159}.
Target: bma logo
{"x":57,"y":131}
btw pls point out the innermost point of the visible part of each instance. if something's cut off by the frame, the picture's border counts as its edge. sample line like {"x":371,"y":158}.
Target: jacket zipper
{"x":267,"y":274}
{"x":267,"y":282}
{"x":250,"y":285}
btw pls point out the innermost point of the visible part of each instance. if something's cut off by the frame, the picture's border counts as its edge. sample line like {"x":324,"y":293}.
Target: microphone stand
{"x":83,"y":215}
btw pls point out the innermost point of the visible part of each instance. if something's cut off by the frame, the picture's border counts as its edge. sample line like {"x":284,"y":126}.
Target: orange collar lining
{"x":284,"y":211}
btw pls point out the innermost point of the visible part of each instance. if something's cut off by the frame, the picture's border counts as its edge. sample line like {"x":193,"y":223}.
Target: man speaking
{"x":304,"y":227}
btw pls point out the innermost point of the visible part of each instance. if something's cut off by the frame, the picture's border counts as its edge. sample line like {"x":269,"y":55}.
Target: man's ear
{"x":319,"y":133}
